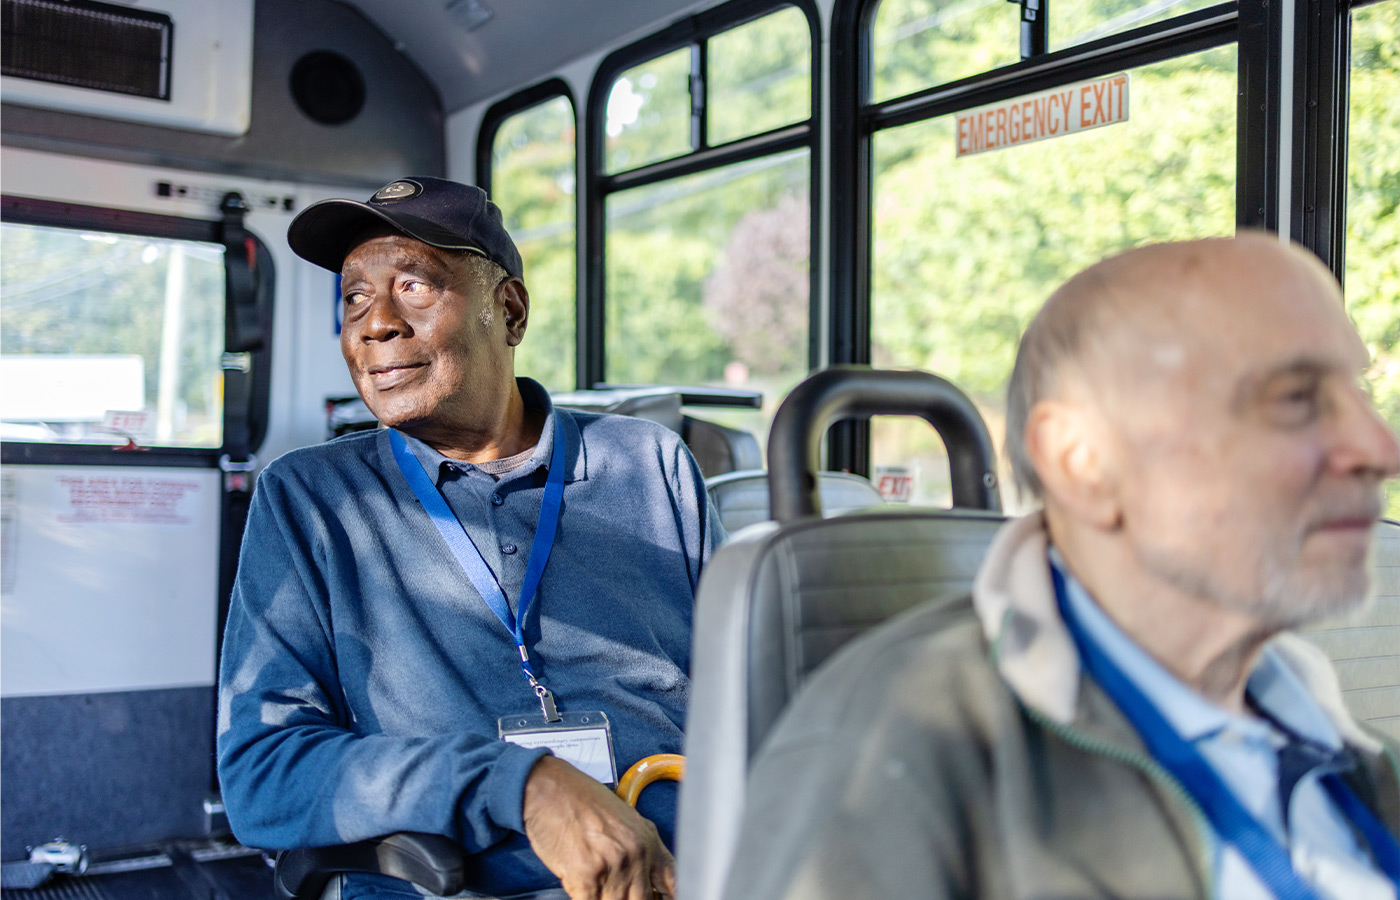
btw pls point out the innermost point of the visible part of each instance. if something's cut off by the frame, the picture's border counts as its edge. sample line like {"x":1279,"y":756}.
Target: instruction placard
{"x":120,"y":499}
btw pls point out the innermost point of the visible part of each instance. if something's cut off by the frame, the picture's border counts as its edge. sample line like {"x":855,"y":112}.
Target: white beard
{"x":1281,"y":596}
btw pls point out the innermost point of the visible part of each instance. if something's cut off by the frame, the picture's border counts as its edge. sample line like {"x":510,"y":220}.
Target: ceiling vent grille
{"x":88,"y":44}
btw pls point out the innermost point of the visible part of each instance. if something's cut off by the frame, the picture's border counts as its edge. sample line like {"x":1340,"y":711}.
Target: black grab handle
{"x":843,"y":392}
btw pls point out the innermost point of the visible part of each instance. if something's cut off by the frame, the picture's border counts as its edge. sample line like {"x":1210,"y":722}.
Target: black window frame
{"x":48,"y":213}
{"x":1321,"y":122}
{"x":692,"y":31}
{"x":496,"y":116}
{"x":1255,"y":26}
{"x":519,"y":102}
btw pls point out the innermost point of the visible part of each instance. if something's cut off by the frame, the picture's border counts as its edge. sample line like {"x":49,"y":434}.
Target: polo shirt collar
{"x":535,"y":397}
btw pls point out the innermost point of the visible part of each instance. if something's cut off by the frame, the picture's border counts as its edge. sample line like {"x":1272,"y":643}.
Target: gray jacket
{"x":956,"y":752}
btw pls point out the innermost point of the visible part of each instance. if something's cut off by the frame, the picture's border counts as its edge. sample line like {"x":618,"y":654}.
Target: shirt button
{"x":507,"y":549}
{"x":497,"y":499}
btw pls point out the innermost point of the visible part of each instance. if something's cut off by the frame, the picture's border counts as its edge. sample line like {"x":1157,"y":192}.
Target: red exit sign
{"x":1035,"y":117}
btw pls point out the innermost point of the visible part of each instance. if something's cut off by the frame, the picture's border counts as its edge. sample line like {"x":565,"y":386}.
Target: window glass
{"x":648,"y":115}
{"x":966,"y":249}
{"x":1373,"y":204}
{"x":920,"y":43}
{"x":759,"y":76}
{"x":708,"y":281}
{"x":533,"y":181}
{"x":101,"y":324}
{"x":1080,"y":21}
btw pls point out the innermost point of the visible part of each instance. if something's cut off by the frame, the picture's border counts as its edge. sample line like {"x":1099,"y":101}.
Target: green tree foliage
{"x":648,"y":116}
{"x":967,"y":249}
{"x":533,"y":181}
{"x":758,"y":294}
{"x":918,"y":43}
{"x":1373,"y":203}
{"x":693,"y":294}
{"x":667,"y":241}
{"x":711,"y":270}
{"x":73,"y":293}
{"x":760,"y":76}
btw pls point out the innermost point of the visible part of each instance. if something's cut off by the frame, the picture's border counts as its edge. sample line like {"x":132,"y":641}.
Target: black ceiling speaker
{"x":327,"y":87}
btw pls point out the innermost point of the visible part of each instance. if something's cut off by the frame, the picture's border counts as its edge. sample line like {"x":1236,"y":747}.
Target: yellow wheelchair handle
{"x":657,"y":767}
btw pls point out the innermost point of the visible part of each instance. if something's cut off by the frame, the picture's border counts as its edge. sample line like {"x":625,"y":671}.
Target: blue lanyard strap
{"x":1232,"y":822}
{"x":474,"y":564}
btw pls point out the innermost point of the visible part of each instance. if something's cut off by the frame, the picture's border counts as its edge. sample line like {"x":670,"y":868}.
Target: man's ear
{"x":1075,"y":455}
{"x":516,"y":302}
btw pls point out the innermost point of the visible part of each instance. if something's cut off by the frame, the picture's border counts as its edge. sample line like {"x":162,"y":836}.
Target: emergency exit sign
{"x":1035,"y":117}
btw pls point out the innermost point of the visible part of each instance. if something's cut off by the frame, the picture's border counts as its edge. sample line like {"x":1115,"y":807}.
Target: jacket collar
{"x":1035,"y":654}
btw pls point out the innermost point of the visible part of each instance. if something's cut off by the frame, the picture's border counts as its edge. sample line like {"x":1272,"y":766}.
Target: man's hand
{"x":600,"y":848}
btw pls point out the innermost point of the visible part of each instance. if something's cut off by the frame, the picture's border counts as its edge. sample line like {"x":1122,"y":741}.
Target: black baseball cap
{"x":436,"y":211}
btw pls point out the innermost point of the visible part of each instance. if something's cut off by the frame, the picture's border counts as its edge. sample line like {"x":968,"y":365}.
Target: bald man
{"x":1118,"y":710}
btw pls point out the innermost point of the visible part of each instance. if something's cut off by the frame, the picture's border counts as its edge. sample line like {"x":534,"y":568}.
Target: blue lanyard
{"x":471,"y":560}
{"x":1234,"y":824}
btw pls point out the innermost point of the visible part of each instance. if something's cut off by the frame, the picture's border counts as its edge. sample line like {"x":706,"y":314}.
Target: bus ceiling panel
{"x":473,"y":50}
{"x":333,"y":102}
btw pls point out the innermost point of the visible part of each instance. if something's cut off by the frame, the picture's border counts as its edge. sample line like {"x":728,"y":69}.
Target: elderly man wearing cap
{"x":466,"y":623}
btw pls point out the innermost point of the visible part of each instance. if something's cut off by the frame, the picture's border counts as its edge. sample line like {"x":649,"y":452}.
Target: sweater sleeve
{"x":293,"y":770}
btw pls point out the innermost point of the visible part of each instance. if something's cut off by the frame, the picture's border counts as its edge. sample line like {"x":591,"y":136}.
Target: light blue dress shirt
{"x":1244,"y":752}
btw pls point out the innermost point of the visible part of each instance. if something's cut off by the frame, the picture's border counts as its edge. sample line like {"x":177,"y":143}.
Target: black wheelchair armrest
{"x":430,"y":860}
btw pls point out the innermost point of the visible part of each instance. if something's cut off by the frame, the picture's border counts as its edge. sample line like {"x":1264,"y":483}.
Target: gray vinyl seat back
{"x":1365,"y":648}
{"x":783,"y":595}
{"x":741,"y":498}
{"x":780,"y":600}
{"x":776,"y":602}
{"x":719,"y":449}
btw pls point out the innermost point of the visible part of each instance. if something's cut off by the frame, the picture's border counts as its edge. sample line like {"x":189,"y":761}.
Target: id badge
{"x":582,"y":739}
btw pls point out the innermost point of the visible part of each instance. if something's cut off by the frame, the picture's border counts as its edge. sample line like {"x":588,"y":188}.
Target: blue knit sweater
{"x":363,"y":676}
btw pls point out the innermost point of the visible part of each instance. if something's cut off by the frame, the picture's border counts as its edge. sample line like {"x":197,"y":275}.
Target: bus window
{"x":1373,"y":204}
{"x":649,"y":112}
{"x":755,"y":92}
{"x":1080,"y":21}
{"x":920,"y":43}
{"x":967,"y":248}
{"x":707,"y":268}
{"x":110,"y":337}
{"x":708,"y":278}
{"x":533,"y":181}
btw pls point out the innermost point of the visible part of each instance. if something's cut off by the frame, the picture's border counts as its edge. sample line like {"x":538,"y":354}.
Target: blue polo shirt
{"x":363,"y":676}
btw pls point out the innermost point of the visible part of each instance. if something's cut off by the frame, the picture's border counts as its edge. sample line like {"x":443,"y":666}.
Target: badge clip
{"x":547,"y":705}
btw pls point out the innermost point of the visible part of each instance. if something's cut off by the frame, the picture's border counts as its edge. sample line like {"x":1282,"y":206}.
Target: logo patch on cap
{"x":398,"y":190}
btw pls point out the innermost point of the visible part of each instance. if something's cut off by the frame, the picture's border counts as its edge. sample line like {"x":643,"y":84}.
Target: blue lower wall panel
{"x":107,"y":770}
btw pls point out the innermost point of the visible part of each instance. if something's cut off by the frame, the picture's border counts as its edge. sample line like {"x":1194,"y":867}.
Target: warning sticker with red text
{"x":1035,"y":117}
{"x":126,"y":499}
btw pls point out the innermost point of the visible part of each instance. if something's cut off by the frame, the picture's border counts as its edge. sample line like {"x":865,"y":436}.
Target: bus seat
{"x":716,"y":448}
{"x":741,"y":498}
{"x":1365,"y":649}
{"x":659,"y":405}
{"x":720,"y":449}
{"x":782,"y":596}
